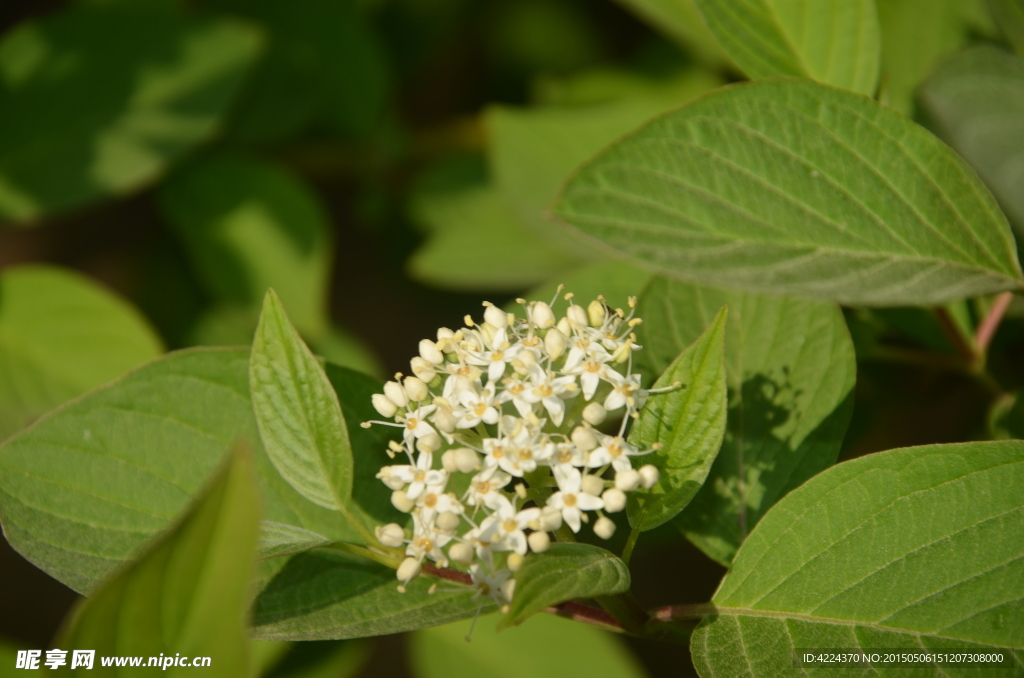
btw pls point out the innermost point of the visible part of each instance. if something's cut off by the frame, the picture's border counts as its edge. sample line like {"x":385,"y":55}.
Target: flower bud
{"x":621,"y":354}
{"x":564,"y":326}
{"x":461,"y":553}
{"x":428,"y":443}
{"x":577,"y":316}
{"x":416,"y":389}
{"x":448,"y":461}
{"x":400,"y":500}
{"x":539,"y":541}
{"x":430,"y":352}
{"x":448,"y":521}
{"x":495,"y":316}
{"x":627,"y":480}
{"x":584,"y":439}
{"x":391,"y":534}
{"x":596,"y":313}
{"x":393,"y":482}
{"x":614,"y":500}
{"x":604,"y":528}
{"x":508,"y":588}
{"x":541,"y":315}
{"x":423,"y":369}
{"x":514,"y":562}
{"x":444,"y":419}
{"x":550,"y":519}
{"x":592,"y":485}
{"x":396,"y":394}
{"x":555,"y":342}
{"x":466,"y":460}
{"x":648,"y":476}
{"x":408,"y":570}
{"x":594,"y":413}
{"x":383,"y":404}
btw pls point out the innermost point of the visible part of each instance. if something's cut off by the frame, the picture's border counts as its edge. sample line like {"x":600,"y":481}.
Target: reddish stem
{"x":987,"y":328}
{"x":576,"y":611}
{"x":683,"y":612}
{"x":967,"y":353}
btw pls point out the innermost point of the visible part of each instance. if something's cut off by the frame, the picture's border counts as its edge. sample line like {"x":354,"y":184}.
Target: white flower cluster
{"x":499,"y":399}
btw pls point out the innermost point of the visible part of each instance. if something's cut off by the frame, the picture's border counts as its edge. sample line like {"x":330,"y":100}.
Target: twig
{"x":576,"y":611}
{"x":987,"y":328}
{"x":683,"y":612}
{"x":966,"y":352}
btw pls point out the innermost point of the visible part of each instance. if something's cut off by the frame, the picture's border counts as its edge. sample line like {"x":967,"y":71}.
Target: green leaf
{"x":323,"y":64}
{"x":688,"y":421}
{"x":1006,"y":418}
{"x":325,"y":595}
{"x":564,"y":572}
{"x":98,"y":101}
{"x":1009,"y":16}
{"x":682,"y":21}
{"x":916,"y":35}
{"x":836,"y":42}
{"x":91,"y":483}
{"x":279,"y":539}
{"x":324,"y":659}
{"x":533,"y":150}
{"x":186,"y":594}
{"x":615,"y":280}
{"x":475,"y":239}
{"x":248,"y":225}
{"x":975,"y":102}
{"x":790,"y":369}
{"x":60,"y":335}
{"x":916,"y":548}
{"x":547,"y":647}
{"x":791,"y":187}
{"x":299,"y":416}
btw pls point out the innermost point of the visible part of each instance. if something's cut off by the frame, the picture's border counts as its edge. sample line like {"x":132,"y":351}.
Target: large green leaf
{"x":325,"y":595}
{"x":88,"y":485}
{"x":279,"y":539}
{"x":97,"y":101}
{"x":976,"y":103}
{"x":299,"y":416}
{"x":916,"y":35}
{"x":533,"y":150}
{"x":475,"y":240}
{"x":564,"y":572}
{"x":557,"y":648}
{"x":689,"y":423}
{"x":248,"y":225}
{"x":61,"y":335}
{"x":916,"y":548}
{"x":790,"y":368}
{"x":793,"y":187}
{"x":835,"y":42}
{"x":681,"y":20}
{"x":187,"y":594}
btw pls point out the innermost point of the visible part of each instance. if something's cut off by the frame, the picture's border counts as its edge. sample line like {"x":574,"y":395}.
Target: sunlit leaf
{"x":86,"y":487}
{"x":917,"y":548}
{"x":61,"y":335}
{"x":833,"y":42}
{"x":187,"y":594}
{"x":689,"y":423}
{"x":794,"y":187}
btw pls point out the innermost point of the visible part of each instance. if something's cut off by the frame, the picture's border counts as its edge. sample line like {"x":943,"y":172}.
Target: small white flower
{"x":383,"y":404}
{"x":498,"y":358}
{"x":550,"y":391}
{"x":624,"y":389}
{"x":604,"y":528}
{"x":396,"y":394}
{"x":489,"y":585}
{"x":419,"y":476}
{"x":539,"y":541}
{"x":415,"y":424}
{"x":427,"y":541}
{"x":484,"y":488}
{"x":614,"y":500}
{"x":430,"y":352}
{"x":391,"y":534}
{"x":504,"y":528}
{"x":478,"y":406}
{"x":571,"y":500}
{"x":615,"y":451}
{"x":648,"y":476}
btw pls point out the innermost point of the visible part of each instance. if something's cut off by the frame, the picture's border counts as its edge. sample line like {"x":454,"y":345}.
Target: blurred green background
{"x":385,"y":166}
